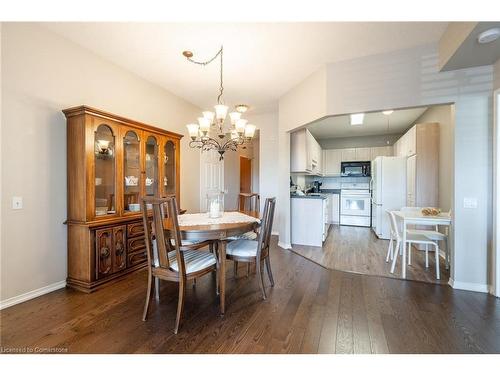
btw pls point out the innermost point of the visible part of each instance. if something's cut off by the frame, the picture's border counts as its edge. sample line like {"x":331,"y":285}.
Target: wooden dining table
{"x":416,"y":217}
{"x":219,"y":233}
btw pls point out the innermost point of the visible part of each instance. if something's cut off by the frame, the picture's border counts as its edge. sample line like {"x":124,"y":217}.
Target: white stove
{"x":355,"y":204}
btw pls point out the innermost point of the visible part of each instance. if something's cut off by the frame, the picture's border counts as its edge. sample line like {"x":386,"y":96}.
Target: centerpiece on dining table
{"x":215,"y":204}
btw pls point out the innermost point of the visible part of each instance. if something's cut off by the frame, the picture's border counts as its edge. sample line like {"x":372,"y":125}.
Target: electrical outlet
{"x":470,"y":202}
{"x":17,"y":203}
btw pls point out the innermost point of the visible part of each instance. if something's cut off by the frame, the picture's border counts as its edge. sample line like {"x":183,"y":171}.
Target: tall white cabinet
{"x":420,"y":145}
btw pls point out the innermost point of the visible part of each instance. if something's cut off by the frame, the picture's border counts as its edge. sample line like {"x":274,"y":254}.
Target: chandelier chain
{"x":204,"y":63}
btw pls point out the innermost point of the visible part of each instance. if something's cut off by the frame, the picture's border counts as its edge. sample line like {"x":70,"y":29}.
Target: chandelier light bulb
{"x":234,"y":116}
{"x":249,"y":131}
{"x":204,"y":124}
{"x":240,"y":125}
{"x":220,"y":111}
{"x":193,"y":130}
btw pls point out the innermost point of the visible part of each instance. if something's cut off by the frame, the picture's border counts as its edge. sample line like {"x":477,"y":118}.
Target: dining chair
{"x":411,"y":238}
{"x":256,"y":251}
{"x":169,"y":259}
{"x":248,"y":202}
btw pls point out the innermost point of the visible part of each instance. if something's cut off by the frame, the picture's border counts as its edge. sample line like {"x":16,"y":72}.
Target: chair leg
{"x":149,"y":296}
{"x":395,"y":258}
{"x":389,"y":251}
{"x":235,"y":269}
{"x":180,"y":303}
{"x":157,"y":288}
{"x":269,"y":272}
{"x":248,"y":269}
{"x":258,"y":267}
{"x":409,"y":253}
{"x":194,"y":283}
{"x":447,"y":254}
{"x":437,"y":261}
{"x":426,"y":255}
{"x":217,"y":270}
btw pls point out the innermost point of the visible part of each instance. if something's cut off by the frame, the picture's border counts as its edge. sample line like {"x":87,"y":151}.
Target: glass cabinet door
{"x":169,"y":163}
{"x":104,"y":154}
{"x":131,"y":172}
{"x":151,"y":180}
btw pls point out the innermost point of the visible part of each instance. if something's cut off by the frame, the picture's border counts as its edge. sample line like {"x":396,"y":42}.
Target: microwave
{"x":355,"y":169}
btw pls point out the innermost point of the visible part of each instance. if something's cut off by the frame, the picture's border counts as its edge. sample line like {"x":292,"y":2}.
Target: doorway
{"x":245,"y":174}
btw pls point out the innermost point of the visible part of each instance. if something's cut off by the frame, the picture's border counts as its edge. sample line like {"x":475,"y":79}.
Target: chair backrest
{"x":248,"y":202}
{"x":266,"y":227}
{"x":159,"y":241}
{"x":394,"y":225}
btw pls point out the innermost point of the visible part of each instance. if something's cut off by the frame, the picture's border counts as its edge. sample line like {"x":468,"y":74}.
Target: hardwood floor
{"x":357,"y":249}
{"x":310,"y":310}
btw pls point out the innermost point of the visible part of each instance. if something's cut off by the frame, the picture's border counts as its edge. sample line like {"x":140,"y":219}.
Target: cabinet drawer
{"x":136,"y":258}
{"x":135,"y":229}
{"x":136,"y":244}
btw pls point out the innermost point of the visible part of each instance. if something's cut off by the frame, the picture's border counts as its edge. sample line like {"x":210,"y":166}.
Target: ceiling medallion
{"x":213,"y":122}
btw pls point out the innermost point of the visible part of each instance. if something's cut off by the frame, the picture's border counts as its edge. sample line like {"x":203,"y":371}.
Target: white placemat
{"x":226,"y":218}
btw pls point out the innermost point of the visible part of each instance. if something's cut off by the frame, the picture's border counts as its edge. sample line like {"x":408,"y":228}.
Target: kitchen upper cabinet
{"x":331,"y":162}
{"x":363,"y":154}
{"x":411,"y":141}
{"x":349,"y":154}
{"x":305,"y":153}
{"x":381,"y":151}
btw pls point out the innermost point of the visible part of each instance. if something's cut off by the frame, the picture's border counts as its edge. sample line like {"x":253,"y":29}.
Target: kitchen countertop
{"x":330,"y":191}
{"x":322,"y":196}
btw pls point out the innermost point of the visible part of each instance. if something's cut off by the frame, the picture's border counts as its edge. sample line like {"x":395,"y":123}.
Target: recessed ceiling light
{"x":489,"y":35}
{"x":242,"y":108}
{"x":388,"y":112}
{"x":357,"y":118}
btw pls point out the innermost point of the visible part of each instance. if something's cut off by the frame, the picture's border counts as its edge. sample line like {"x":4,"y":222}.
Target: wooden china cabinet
{"x":112,"y":163}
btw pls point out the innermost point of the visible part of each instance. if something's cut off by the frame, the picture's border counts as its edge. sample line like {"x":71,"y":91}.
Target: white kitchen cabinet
{"x":331,"y":162}
{"x":348,"y":154}
{"x":308,"y":221}
{"x":411,"y":178}
{"x":363,"y":154}
{"x":305,"y":153}
{"x":411,"y":141}
{"x":335,"y":209}
{"x":381,"y":151}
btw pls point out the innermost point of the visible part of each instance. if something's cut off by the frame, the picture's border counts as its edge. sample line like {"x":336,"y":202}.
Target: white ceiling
{"x":262,"y":61}
{"x":375,"y":123}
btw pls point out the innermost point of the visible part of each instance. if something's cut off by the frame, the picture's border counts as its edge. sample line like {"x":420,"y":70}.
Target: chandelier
{"x":210,"y":123}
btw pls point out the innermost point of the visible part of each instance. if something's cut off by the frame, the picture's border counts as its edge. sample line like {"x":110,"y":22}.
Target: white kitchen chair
{"x":411,"y":238}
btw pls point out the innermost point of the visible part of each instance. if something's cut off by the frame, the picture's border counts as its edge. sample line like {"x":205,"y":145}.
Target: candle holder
{"x":215,"y":204}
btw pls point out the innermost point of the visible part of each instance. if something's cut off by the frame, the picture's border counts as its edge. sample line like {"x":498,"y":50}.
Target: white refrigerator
{"x":388,"y":185}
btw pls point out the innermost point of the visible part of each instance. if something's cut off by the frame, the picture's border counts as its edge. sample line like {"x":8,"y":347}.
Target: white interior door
{"x":211,"y":176}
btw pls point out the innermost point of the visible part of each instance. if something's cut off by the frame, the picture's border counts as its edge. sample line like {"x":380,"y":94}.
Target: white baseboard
{"x":473,"y":287}
{"x":30,"y":295}
{"x":284,"y":245}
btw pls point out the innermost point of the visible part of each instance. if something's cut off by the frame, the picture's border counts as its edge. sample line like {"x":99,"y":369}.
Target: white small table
{"x":415,"y":217}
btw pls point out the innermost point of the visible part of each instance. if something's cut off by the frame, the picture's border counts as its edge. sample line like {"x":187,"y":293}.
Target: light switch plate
{"x":470,"y":202}
{"x":17,"y":203}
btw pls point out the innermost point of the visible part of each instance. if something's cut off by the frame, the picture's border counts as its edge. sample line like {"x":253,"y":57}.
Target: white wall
{"x":267,"y":123}
{"x":443,"y":115}
{"x":410,"y":78}
{"x":43,"y":73}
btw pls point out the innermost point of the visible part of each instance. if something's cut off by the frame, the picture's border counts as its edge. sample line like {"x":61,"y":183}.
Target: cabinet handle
{"x":104,"y":252}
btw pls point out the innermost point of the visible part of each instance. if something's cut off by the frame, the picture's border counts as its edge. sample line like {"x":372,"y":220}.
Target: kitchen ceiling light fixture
{"x":230,"y":138}
{"x":388,"y":112}
{"x":357,"y":118}
{"x":489,"y":35}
